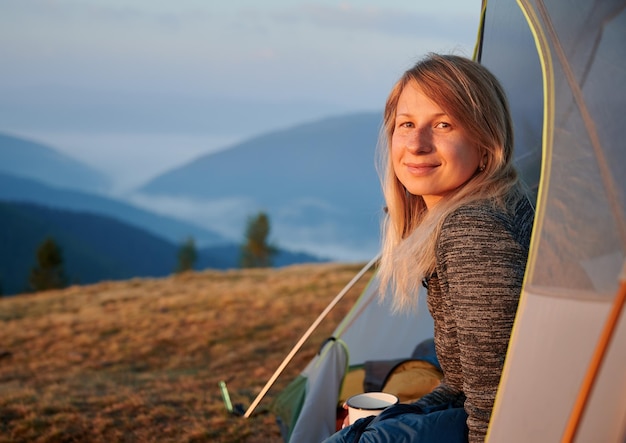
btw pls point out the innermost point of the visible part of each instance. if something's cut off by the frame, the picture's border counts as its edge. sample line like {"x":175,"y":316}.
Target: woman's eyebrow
{"x":435,"y":115}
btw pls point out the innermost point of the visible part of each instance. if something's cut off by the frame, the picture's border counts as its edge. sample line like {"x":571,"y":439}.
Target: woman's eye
{"x":405,"y":125}
{"x":443,"y":125}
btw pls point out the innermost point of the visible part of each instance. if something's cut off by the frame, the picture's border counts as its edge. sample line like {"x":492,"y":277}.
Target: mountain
{"x":25,"y":190}
{"x":317,"y":181}
{"x":32,"y":160}
{"x":97,"y":248}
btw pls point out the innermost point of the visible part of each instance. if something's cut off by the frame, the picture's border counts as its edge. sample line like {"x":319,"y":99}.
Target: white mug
{"x":369,"y":403}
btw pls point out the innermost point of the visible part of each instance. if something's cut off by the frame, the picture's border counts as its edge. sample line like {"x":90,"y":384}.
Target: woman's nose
{"x":420,"y":141}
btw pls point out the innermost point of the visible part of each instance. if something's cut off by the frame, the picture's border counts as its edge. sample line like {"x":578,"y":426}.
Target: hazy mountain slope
{"x":317,"y":181}
{"x":32,"y":160}
{"x":332,"y":159}
{"x":25,"y":190}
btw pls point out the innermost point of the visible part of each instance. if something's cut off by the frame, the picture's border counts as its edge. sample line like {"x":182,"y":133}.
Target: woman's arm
{"x":480,"y":268}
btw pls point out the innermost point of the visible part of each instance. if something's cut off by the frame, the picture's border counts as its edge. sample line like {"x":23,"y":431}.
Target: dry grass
{"x":140,"y":360}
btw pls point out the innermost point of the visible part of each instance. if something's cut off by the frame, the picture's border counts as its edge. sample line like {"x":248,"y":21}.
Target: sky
{"x":136,"y":87}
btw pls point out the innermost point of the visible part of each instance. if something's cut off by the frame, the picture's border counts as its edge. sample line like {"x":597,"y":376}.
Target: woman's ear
{"x":484,"y":158}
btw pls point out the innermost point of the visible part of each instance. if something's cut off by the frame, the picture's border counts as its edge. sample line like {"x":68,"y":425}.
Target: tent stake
{"x":306,"y":335}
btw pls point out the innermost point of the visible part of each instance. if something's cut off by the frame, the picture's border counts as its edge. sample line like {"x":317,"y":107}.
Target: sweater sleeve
{"x":480,"y":267}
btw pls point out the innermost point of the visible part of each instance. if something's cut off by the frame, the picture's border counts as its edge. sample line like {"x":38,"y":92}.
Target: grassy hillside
{"x":140,"y":360}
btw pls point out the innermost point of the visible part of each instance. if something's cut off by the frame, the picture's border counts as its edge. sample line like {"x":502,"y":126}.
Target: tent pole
{"x":307,"y":334}
{"x":595,"y":365}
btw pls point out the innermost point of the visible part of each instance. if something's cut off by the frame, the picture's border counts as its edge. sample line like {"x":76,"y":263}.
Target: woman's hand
{"x":346,"y":419}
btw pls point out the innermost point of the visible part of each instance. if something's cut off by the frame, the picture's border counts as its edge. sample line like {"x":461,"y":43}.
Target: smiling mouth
{"x":420,"y":168}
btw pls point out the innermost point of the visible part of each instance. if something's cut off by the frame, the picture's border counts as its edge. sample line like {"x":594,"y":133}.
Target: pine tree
{"x":187,"y":256}
{"x":256,"y":252}
{"x":49,"y":272}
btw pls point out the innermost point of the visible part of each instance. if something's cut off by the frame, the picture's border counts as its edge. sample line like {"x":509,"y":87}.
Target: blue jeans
{"x":407,"y":424}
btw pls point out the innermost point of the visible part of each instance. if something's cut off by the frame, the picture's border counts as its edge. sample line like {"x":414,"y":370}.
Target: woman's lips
{"x":420,"y":168}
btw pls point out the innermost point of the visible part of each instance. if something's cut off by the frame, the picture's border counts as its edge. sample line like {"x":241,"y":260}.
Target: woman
{"x":459,"y":222}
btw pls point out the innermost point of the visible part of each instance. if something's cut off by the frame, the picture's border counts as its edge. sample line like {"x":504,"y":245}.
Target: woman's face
{"x":430,"y":152}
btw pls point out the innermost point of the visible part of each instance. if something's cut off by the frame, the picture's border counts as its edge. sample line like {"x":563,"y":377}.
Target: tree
{"x":187,"y":255}
{"x":256,"y":252}
{"x":48,"y":273}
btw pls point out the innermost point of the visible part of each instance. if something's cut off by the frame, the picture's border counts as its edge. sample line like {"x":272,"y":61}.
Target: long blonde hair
{"x":472,"y":96}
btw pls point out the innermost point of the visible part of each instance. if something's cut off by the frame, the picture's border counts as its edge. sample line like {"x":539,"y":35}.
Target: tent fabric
{"x":288,"y":405}
{"x":373,"y":331}
{"x":576,"y":54}
{"x":408,"y":380}
{"x":324,"y":378}
{"x":370,"y":331}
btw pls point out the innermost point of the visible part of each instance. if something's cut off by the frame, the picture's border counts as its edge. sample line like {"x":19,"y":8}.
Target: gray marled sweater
{"x":473,"y":297}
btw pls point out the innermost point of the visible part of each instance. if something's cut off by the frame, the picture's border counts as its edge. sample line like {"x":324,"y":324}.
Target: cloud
{"x":197,"y":66}
{"x":95,"y":13}
{"x":264,"y":54}
{"x":228,"y":216}
{"x":386,"y":21}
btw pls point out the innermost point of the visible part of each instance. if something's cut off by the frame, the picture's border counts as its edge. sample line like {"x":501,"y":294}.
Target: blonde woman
{"x":459,"y":222}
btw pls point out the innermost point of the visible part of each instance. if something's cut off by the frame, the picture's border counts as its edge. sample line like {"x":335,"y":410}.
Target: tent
{"x":307,"y":408}
{"x":563,"y":65}
{"x":565,"y":373}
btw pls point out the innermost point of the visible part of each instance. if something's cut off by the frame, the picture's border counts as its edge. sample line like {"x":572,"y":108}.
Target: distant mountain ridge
{"x":98,"y":248}
{"x":94,"y":248}
{"x":326,"y":159}
{"x":317,"y":181}
{"x":25,"y":190}
{"x":36,"y":161}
